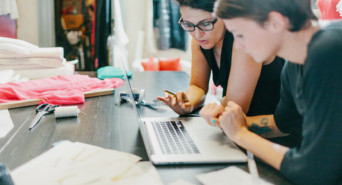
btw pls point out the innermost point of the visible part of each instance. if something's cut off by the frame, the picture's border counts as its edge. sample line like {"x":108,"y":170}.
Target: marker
{"x":173,"y":94}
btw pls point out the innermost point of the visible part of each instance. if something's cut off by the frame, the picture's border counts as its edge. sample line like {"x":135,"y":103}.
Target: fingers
{"x":215,"y":122}
{"x":187,"y":106}
{"x":211,"y":112}
{"x":181,"y":97}
{"x":161,"y":98}
{"x":172,"y":100}
{"x":178,"y":106}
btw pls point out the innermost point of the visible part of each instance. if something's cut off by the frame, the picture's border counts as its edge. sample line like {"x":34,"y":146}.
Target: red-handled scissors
{"x":42,"y":110}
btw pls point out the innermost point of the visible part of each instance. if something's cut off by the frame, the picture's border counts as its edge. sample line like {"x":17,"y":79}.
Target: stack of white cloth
{"x":30,"y":61}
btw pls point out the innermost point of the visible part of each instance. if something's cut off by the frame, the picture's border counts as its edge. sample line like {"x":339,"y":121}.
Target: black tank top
{"x":267,"y":91}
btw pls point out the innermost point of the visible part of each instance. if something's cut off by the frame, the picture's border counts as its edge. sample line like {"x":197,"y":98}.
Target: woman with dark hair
{"x":254,"y":86}
{"x":311,"y":91}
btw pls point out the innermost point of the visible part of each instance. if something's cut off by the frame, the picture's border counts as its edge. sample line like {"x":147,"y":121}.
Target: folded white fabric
{"x":9,"y":7}
{"x":15,"y":48}
{"x":9,"y":76}
{"x":5,"y":40}
{"x":6,"y":51}
{"x":32,"y":74}
{"x":30,"y":63}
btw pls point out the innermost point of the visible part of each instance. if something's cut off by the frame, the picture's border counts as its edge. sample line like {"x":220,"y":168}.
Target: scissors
{"x":42,"y":110}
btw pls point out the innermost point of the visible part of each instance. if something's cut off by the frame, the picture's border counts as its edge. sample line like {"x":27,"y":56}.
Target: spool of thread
{"x":69,"y":111}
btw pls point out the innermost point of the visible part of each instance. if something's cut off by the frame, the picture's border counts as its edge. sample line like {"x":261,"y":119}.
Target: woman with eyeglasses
{"x":254,"y":86}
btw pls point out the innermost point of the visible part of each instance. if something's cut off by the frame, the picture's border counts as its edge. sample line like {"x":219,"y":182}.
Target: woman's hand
{"x":211,"y":113}
{"x":179,"y":103}
{"x":233,"y":121}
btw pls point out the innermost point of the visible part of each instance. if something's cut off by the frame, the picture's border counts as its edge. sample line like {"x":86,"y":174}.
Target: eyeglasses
{"x":204,"y":25}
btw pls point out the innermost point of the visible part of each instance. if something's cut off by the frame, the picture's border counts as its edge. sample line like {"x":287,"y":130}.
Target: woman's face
{"x":206,"y":39}
{"x":260,"y":42}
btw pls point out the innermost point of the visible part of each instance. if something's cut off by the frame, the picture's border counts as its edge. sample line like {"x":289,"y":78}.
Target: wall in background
{"x":36,"y":22}
{"x":36,"y":25}
{"x":135,"y":19}
{"x":46,"y":23}
{"x":27,"y":24}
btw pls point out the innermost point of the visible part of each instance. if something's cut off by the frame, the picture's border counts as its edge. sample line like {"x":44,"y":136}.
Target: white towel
{"x":9,"y":76}
{"x":32,"y":74}
{"x":5,"y":40}
{"x":8,"y":48}
{"x":6,"y":76}
{"x":15,"y":48}
{"x":56,"y":52}
{"x":9,"y":7}
{"x":30,"y":63}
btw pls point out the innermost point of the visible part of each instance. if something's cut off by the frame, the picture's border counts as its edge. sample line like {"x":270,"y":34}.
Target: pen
{"x":173,"y":94}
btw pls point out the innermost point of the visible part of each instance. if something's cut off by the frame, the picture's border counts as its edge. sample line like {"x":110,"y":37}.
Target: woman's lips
{"x":203,"y":41}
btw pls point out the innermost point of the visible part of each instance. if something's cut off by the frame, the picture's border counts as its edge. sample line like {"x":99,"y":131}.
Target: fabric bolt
{"x":59,"y":90}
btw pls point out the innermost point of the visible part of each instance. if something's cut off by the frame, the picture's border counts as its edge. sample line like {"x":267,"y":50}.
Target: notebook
{"x":185,"y":140}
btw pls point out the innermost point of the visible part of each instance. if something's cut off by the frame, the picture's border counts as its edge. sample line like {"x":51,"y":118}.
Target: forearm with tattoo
{"x":264,"y":127}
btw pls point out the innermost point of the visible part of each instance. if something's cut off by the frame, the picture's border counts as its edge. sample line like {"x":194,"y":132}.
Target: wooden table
{"x":104,"y":123}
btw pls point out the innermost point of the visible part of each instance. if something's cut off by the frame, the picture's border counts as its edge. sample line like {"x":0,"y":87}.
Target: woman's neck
{"x":218,"y":50}
{"x":295,"y":44}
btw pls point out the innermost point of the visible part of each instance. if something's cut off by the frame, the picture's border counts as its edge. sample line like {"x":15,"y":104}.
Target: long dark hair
{"x":298,"y":12}
{"x":206,"y":5}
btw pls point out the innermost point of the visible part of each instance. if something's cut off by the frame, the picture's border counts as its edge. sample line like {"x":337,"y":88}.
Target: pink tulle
{"x":59,"y":90}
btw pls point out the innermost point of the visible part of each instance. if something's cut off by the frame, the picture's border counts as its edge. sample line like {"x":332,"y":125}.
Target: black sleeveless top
{"x":267,"y":91}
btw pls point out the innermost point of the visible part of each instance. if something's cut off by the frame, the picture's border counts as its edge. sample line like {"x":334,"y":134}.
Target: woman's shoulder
{"x":328,"y":36}
{"x":276,"y":64}
{"x":326,"y":44}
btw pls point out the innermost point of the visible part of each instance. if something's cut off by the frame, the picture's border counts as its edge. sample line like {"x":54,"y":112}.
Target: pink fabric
{"x":59,"y":90}
{"x":327,"y":9}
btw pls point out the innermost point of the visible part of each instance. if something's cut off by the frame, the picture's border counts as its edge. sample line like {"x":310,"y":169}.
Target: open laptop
{"x":188,"y":140}
{"x":185,"y":140}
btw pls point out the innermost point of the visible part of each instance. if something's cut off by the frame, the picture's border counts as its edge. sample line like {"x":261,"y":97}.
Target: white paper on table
{"x":231,"y":175}
{"x":180,"y":182}
{"x":75,"y":164}
{"x":142,"y":173}
{"x":6,"y":123}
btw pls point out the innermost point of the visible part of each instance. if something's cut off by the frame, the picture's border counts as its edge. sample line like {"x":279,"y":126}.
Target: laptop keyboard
{"x":173,"y":138}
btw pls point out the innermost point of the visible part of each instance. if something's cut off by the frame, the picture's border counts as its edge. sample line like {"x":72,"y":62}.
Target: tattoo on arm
{"x":262,"y":129}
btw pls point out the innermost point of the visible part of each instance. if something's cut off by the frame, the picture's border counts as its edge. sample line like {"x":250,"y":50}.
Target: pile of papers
{"x":30,"y":61}
{"x":79,"y":164}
